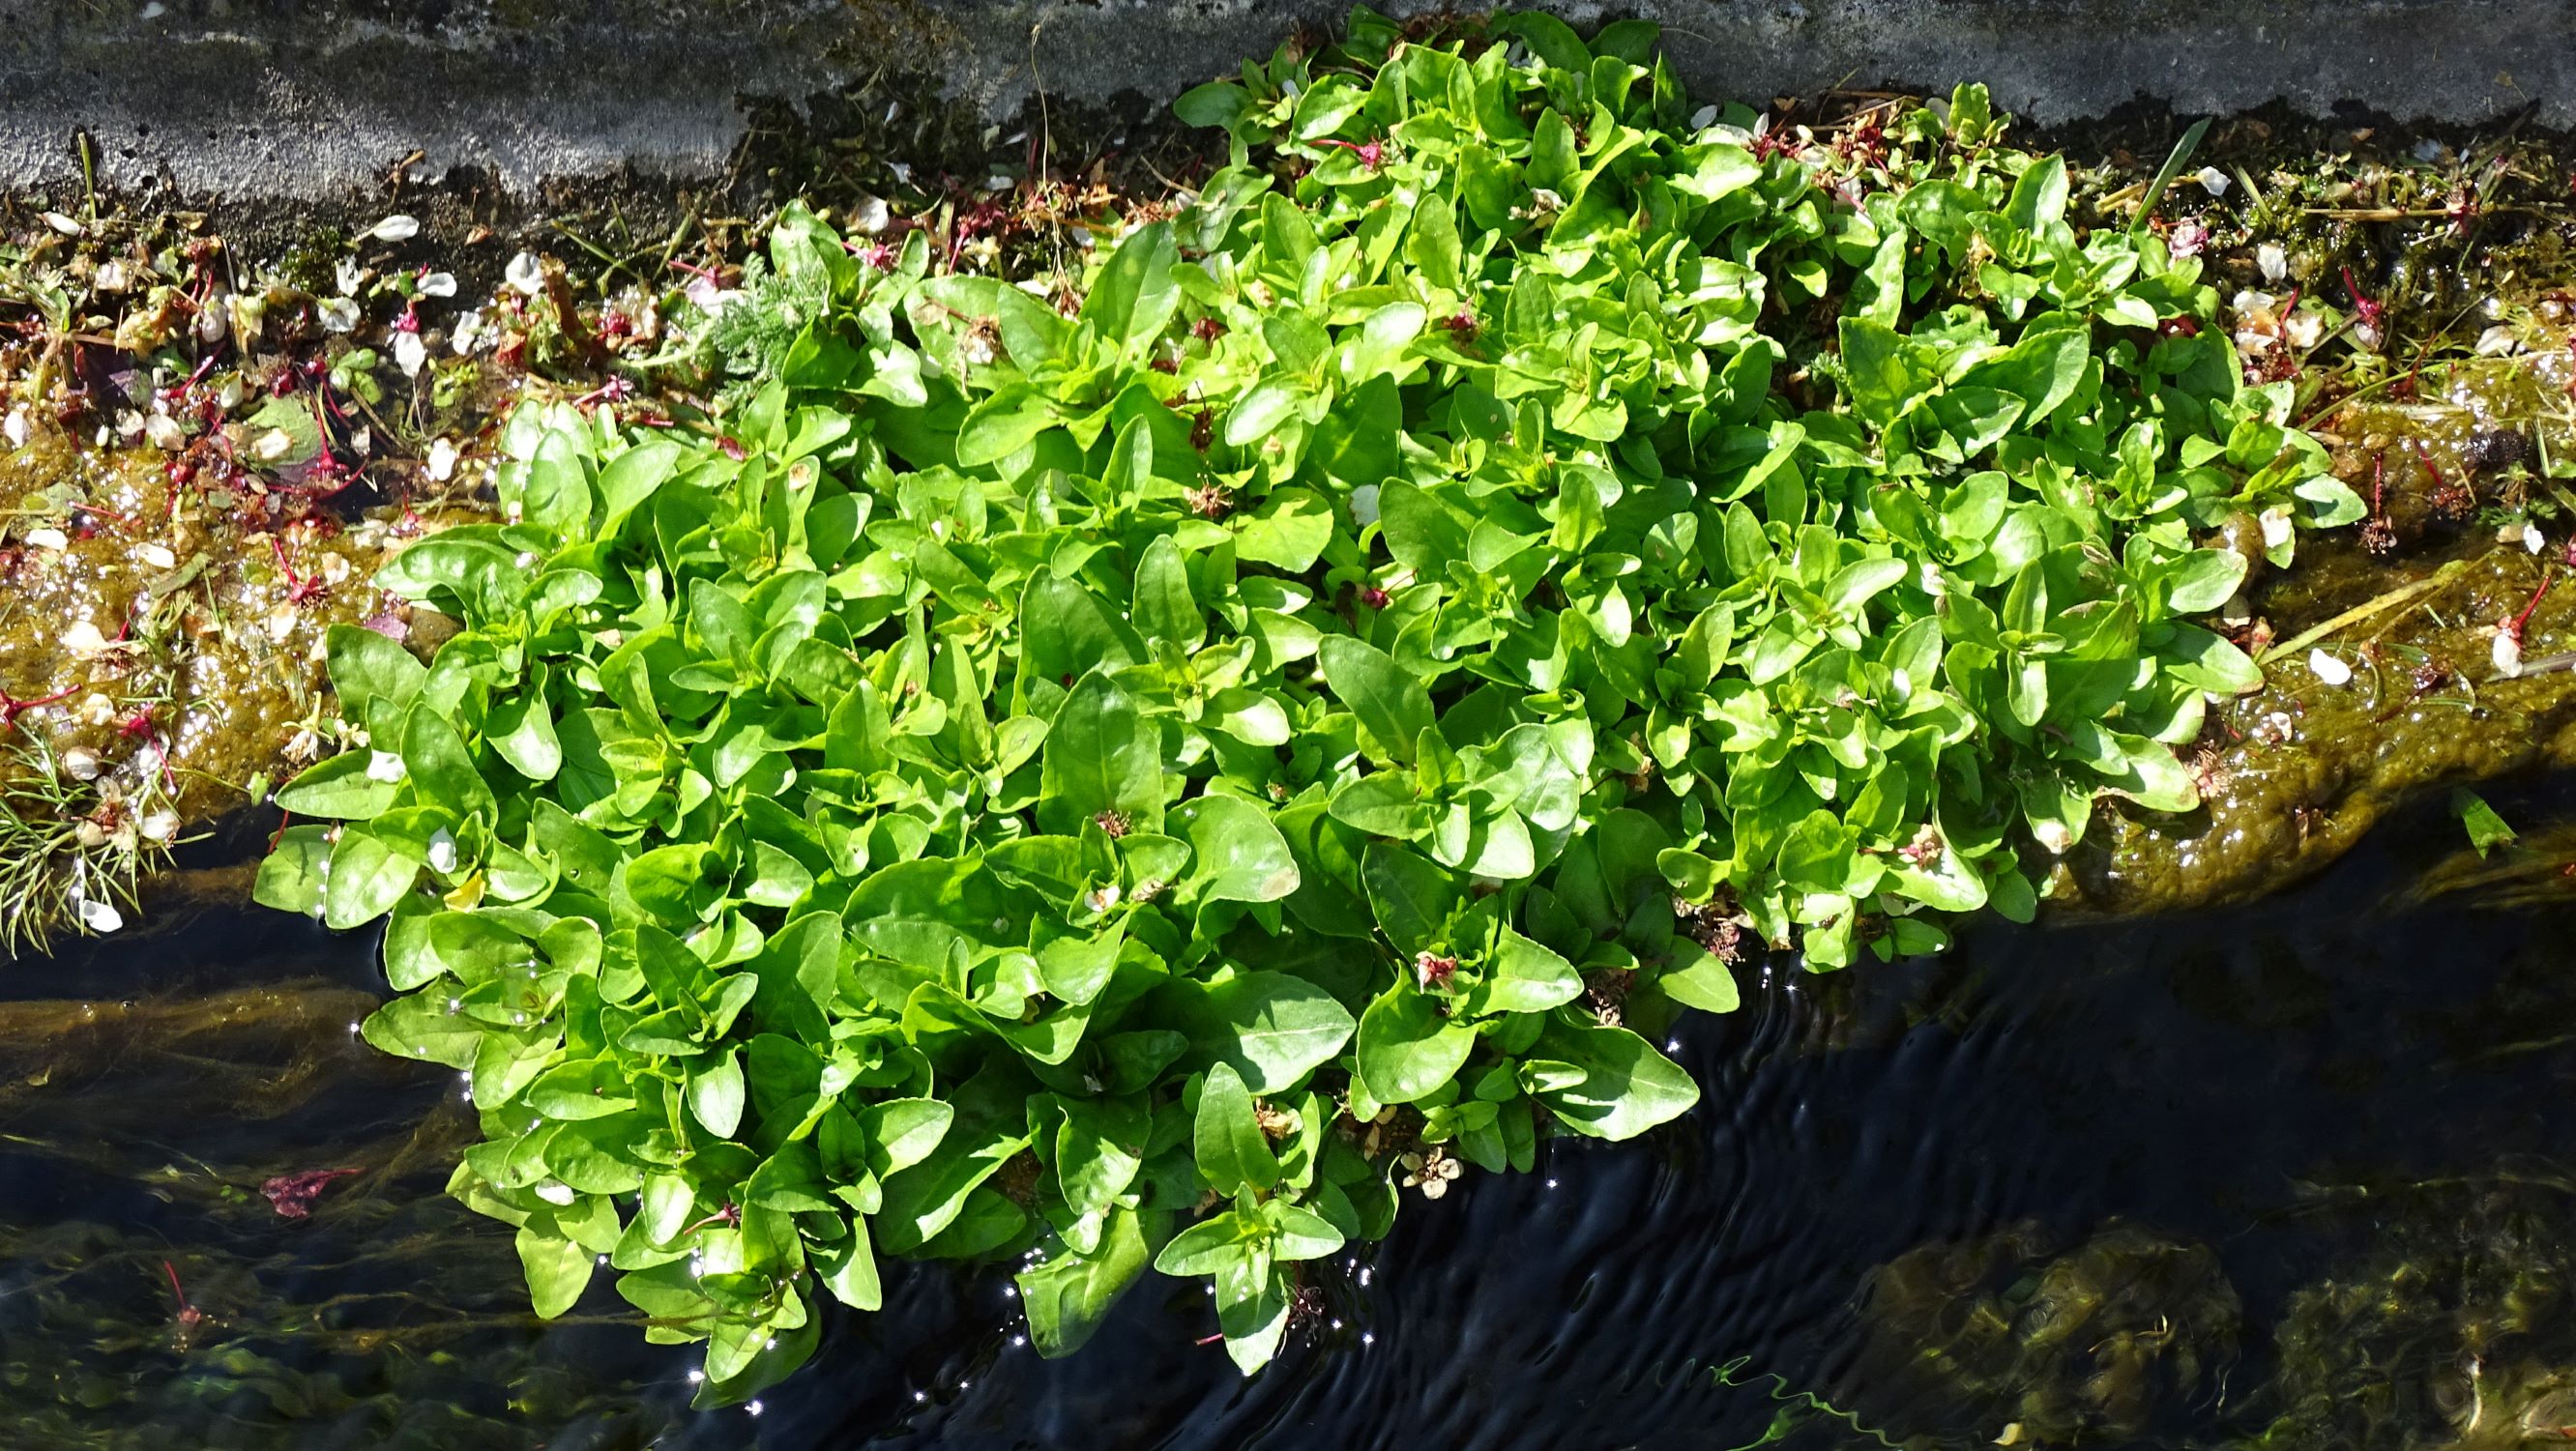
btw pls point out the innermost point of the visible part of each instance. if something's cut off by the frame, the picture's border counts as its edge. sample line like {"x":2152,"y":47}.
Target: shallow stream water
{"x":2303,"y":1165}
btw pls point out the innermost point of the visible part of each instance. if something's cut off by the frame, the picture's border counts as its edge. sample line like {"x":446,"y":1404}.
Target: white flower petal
{"x":2531,"y":538}
{"x":2212,"y":180}
{"x":2274,"y":262}
{"x":2507,"y":654}
{"x":100,"y":916}
{"x":2329,"y":669}
{"x":409,"y":353}
{"x":386,"y":766}
{"x":1364,"y":504}
{"x":525,"y":274}
{"x":397,"y":228}
{"x":437,"y":284}
{"x":2276,"y":527}
{"x":442,"y":461}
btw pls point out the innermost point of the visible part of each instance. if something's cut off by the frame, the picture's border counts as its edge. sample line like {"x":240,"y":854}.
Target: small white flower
{"x":2329,"y":669}
{"x":708,"y":297}
{"x":385,"y":766}
{"x":442,"y":851}
{"x":1101,"y":899}
{"x":339,"y":314}
{"x":2531,"y":540}
{"x":436,"y":284}
{"x":2507,"y":654}
{"x":2276,"y":526}
{"x":2274,"y":262}
{"x":83,"y":640}
{"x":442,"y":460}
{"x":1364,"y":501}
{"x":468,"y":331}
{"x":2212,"y":180}
{"x":396,"y":228}
{"x":525,"y":274}
{"x":350,"y":276}
{"x":81,"y":763}
{"x":2304,"y":330}
{"x":409,"y":353}
{"x":100,"y":916}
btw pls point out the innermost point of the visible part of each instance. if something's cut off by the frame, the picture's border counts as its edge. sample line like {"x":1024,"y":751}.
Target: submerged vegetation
{"x":1128,"y":766}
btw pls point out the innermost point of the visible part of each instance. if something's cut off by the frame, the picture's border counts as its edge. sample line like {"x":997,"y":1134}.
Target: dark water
{"x":2359,"y":1083}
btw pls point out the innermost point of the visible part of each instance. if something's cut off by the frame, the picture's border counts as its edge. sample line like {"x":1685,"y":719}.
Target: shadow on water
{"x":2101,"y":1181}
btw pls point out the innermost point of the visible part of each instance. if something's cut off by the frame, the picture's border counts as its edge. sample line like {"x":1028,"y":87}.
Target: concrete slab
{"x":317,"y":98}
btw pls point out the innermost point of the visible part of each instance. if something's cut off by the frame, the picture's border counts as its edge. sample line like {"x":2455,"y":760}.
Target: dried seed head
{"x":1211,"y":501}
{"x":2378,"y":536}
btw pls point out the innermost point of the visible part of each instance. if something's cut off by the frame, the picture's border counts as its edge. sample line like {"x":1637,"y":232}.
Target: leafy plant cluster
{"x":1132,"y":787}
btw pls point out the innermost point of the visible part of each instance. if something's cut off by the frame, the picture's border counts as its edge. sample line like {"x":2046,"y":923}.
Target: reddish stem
{"x":11,"y":707}
{"x":2514,"y":626}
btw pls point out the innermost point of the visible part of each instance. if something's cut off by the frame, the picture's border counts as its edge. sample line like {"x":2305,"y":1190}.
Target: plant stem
{"x":2367,"y":608}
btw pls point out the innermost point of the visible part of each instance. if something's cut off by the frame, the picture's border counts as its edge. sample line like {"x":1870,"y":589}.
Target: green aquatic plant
{"x":1123,"y":787}
{"x":71,"y":851}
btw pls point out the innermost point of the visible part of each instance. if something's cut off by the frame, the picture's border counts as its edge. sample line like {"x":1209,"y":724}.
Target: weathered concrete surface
{"x":315,"y":98}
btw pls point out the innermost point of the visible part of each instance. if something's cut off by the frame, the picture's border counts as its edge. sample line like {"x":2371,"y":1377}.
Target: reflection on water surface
{"x":2296,"y":1174}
